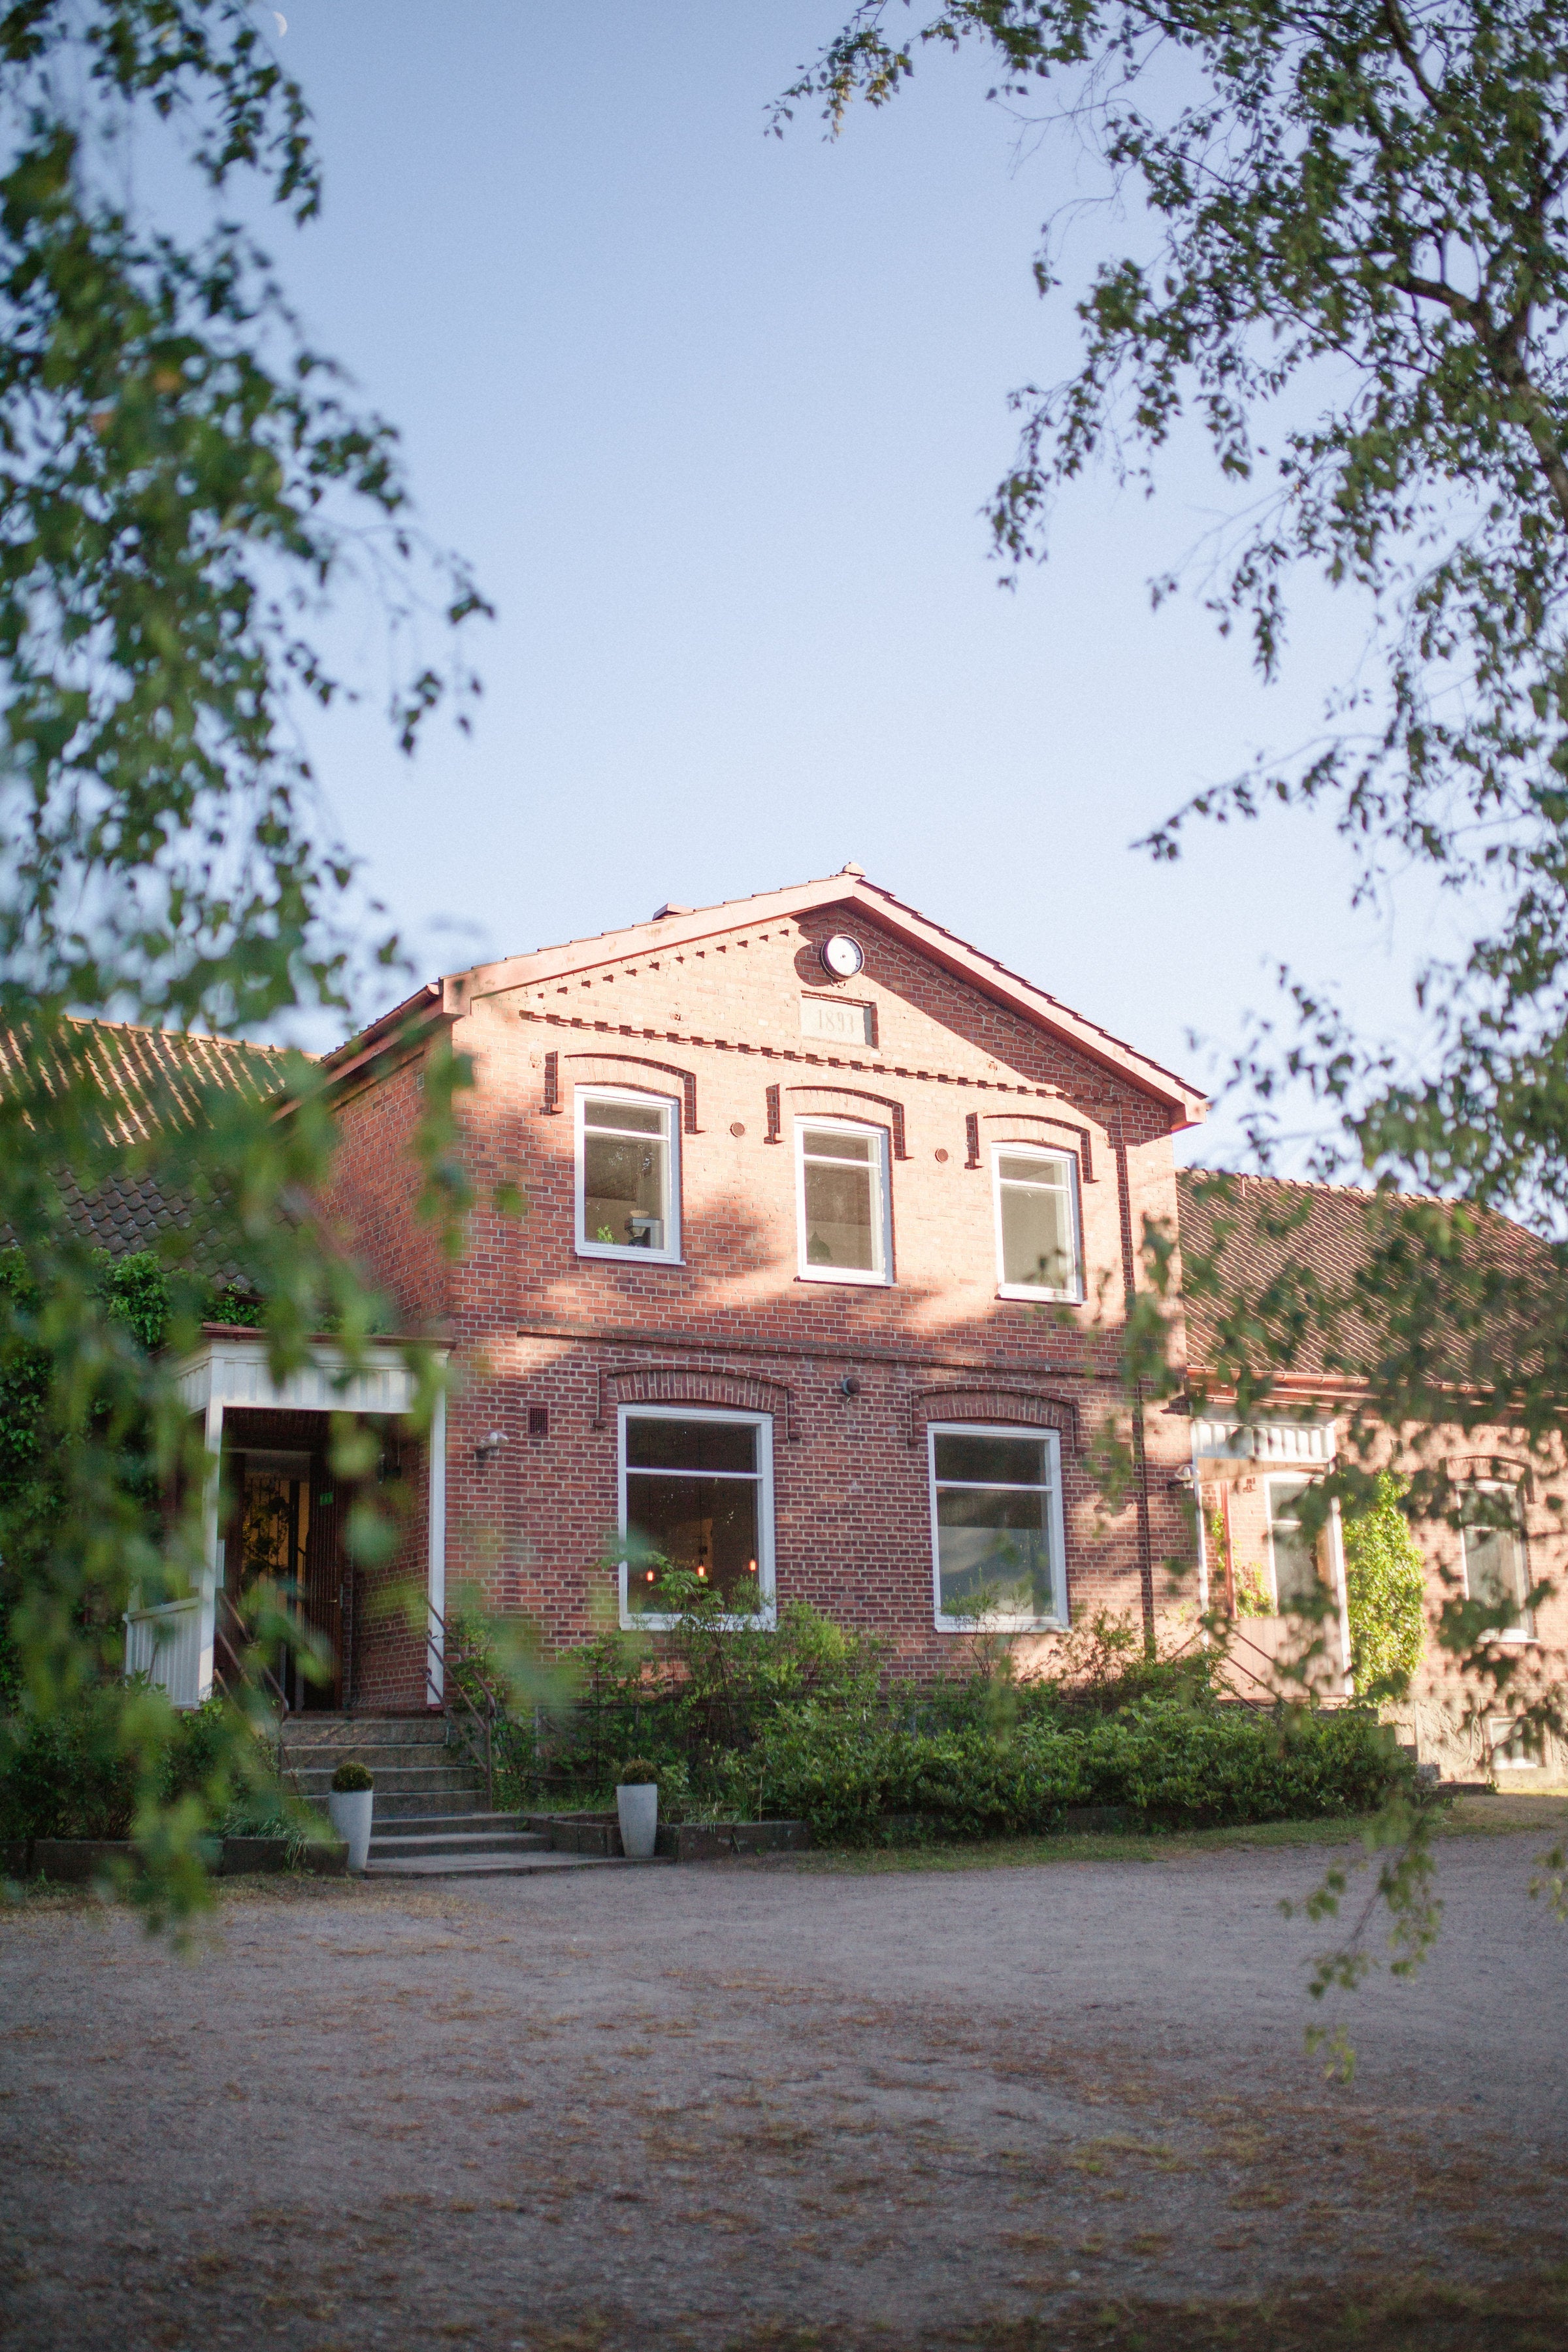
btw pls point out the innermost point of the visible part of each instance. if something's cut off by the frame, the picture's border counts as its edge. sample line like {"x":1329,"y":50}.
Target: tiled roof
{"x":1273,"y":1241}
{"x":147,"y":1079}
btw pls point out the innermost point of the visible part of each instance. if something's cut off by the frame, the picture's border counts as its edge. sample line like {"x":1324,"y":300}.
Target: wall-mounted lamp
{"x":849,"y":1385}
{"x":491,"y":1443}
{"x":1181,"y":1482}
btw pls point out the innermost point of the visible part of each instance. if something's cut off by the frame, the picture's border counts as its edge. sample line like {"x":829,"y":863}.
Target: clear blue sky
{"x":713,"y":416}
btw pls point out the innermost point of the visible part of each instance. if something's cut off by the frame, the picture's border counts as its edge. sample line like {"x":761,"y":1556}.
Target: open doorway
{"x":286,"y":1525}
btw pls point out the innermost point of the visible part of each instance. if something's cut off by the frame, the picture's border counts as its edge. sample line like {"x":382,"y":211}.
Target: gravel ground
{"x":723,"y":2105}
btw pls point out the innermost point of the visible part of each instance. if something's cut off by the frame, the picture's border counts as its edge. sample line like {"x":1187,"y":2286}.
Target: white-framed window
{"x":998,"y":1556}
{"x":1040,"y":1253}
{"x":697,"y":1490}
{"x":1491,"y":1538}
{"x":841,"y":1202}
{"x":628,"y":1174}
{"x":1292,"y":1554}
{"x":1511,"y":1746}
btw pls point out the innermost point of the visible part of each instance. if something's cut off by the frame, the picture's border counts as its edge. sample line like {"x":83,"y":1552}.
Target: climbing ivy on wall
{"x":1385,"y":1593}
{"x":137,"y":1292}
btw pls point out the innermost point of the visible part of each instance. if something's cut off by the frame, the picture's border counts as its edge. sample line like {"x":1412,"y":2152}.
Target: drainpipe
{"x":436,"y":1556}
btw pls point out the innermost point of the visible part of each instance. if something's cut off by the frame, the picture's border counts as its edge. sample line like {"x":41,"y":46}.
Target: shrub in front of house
{"x":1201,"y":1767}
{"x":1175,"y":1766}
{"x":67,"y":1775}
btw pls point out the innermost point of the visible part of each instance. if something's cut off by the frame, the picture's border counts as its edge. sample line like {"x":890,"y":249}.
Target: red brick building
{"x":831,"y":1222}
{"x":830,"y":1225}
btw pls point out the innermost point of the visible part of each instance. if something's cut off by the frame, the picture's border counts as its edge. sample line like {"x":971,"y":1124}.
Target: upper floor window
{"x":1038,"y":1249}
{"x":628,"y":1199}
{"x":844,"y":1233}
{"x":1492,"y":1537}
{"x":996,"y":1527}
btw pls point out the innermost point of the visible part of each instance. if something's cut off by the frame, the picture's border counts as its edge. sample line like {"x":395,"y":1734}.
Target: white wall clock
{"x":842,"y":956}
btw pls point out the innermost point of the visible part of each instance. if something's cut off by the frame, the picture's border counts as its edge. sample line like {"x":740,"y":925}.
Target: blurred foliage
{"x":184,"y":497}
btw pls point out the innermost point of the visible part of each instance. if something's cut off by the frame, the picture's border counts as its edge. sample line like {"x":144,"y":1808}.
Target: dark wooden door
{"x":323,"y":1581}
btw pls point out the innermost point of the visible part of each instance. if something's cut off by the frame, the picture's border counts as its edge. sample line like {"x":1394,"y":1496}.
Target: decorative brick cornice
{"x":811,"y":1061}
{"x":569,"y":1331}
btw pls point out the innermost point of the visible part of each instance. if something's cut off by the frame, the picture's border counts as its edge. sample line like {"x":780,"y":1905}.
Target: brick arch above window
{"x":1028,"y":1127}
{"x":680,"y":1385}
{"x":1015,"y":1407}
{"x":844,"y":1102}
{"x":1490,"y":1469}
{"x":620,"y":1069}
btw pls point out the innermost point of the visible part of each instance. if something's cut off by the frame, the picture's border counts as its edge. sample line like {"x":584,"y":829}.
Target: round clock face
{"x":841,"y":956}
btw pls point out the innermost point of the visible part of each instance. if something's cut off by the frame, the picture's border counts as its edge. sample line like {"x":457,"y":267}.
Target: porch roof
{"x":230,"y":1369}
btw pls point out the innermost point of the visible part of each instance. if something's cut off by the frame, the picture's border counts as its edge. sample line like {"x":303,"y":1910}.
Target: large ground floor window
{"x":696,"y":1493}
{"x":996,"y":1527}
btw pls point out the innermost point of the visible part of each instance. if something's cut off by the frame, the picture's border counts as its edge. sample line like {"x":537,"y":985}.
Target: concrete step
{"x":391,"y":1779}
{"x":487,"y":1866}
{"x":417,"y":1810}
{"x":337,"y":1733}
{"x":459,"y":1832}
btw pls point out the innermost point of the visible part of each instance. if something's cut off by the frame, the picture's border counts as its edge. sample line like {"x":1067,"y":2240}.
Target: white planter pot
{"x":351,"y":1809}
{"x":637,"y":1805}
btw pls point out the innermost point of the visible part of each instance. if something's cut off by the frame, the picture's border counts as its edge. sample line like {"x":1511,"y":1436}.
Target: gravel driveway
{"x":714,"y":2104}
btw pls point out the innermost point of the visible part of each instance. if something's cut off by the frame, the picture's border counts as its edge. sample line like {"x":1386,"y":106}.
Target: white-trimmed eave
{"x":941,"y":947}
{"x":232,"y":1372}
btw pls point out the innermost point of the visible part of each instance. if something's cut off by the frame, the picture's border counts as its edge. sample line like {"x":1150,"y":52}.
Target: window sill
{"x":1001,"y":1626}
{"x":1030,"y":1294}
{"x":645,"y":1620}
{"x":603,"y":1255}
{"x":846,"y":1273}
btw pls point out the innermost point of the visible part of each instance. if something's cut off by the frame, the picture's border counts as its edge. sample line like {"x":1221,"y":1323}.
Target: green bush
{"x":1176,"y":1765}
{"x":1385,"y":1596}
{"x":352,"y":1778}
{"x":636,"y":1772}
{"x":66,"y":1775}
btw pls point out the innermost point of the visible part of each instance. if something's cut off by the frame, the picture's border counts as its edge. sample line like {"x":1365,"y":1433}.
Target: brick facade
{"x":705,"y":1012}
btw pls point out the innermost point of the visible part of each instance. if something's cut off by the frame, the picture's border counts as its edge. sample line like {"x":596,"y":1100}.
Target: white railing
{"x":165,"y":1644}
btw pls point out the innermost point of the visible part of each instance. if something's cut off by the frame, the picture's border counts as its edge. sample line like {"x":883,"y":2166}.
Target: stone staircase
{"x":430,"y":1819}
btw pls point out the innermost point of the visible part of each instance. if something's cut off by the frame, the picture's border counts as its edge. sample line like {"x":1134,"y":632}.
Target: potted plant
{"x":351,"y":1803}
{"x":636,"y":1802}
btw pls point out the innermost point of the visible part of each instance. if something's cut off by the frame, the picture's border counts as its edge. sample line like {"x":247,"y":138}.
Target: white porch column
{"x":1337,"y":1561}
{"x":210,"y":1571}
{"x":1203,"y":1535}
{"x":436,"y":1553}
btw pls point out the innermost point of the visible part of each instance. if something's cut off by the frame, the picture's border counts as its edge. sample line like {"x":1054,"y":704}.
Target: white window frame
{"x":1502,"y":1734}
{"x":882,"y":1278}
{"x":1282,"y":1478}
{"x":624,"y":1253}
{"x":1057,"y":1621}
{"x":766,"y":1618}
{"x":1524,"y":1631}
{"x":1073,"y":1296}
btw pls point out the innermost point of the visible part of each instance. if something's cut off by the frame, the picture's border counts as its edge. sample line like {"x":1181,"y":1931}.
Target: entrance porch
{"x":273,"y":1508}
{"x":1255,"y":1561}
